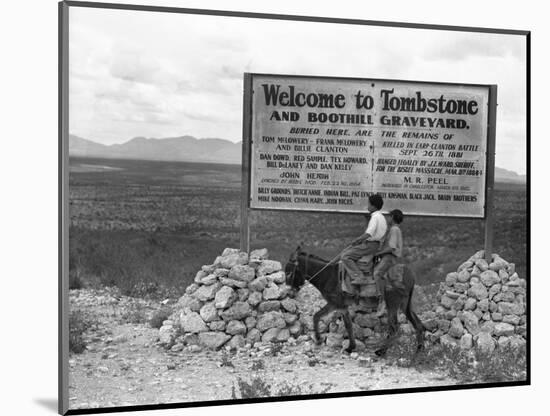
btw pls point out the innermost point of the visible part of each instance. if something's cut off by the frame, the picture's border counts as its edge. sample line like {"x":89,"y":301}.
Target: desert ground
{"x":140,"y":231}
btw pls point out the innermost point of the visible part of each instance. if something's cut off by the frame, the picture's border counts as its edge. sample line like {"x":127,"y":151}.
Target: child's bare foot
{"x":381,"y":309}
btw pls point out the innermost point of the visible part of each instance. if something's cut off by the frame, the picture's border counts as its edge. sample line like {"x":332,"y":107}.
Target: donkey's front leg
{"x":349,"y":328}
{"x":392,"y":333}
{"x":321,"y":312}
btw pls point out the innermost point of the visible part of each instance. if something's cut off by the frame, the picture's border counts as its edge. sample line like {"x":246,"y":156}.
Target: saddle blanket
{"x":394,"y":277}
{"x":362,"y":288}
{"x":368,"y":288}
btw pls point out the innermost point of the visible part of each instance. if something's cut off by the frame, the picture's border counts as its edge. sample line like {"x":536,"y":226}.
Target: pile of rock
{"x":243,"y":300}
{"x":367,"y":327}
{"x":237,"y":300}
{"x":481,"y":304}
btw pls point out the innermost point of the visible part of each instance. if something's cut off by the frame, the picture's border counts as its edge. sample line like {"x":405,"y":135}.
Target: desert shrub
{"x":226,"y":360}
{"x":255,"y":388}
{"x":257,"y":365}
{"x":505,"y":364}
{"x":135,"y":314}
{"x":159,"y":317}
{"x":75,"y":281}
{"x":258,"y":387}
{"x":275,"y":349}
{"x":79,"y":323}
{"x":466,"y":366}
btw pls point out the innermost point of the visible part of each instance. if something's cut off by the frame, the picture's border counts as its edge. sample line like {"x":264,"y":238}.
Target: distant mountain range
{"x":184,"y":148}
{"x":191,"y":149}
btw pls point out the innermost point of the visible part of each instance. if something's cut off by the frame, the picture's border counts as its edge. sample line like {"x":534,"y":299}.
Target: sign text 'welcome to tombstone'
{"x":325,"y":144}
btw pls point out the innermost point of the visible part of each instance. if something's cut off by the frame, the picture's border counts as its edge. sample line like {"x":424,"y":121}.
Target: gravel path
{"x":122,"y":364}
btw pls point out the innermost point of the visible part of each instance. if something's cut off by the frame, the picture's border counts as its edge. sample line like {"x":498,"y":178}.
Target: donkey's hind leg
{"x":316,"y":317}
{"x":349,"y":328}
{"x":418,"y":327}
{"x":393,"y":308}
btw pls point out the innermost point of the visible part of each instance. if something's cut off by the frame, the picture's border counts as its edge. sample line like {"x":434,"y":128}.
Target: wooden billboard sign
{"x":326,"y":144}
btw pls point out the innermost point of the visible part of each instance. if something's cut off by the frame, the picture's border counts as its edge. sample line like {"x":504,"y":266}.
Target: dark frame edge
{"x":63,"y":307}
{"x":528,"y":196}
{"x":302,"y":18}
{"x":63,"y":237}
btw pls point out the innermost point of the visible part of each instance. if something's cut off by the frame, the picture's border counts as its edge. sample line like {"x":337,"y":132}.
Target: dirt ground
{"x":123,"y":365}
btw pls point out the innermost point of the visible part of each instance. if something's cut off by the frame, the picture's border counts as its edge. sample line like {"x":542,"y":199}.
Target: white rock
{"x":237,"y":311}
{"x":498,"y":264}
{"x":463,"y":276}
{"x":485,"y":342}
{"x":270,"y":320}
{"x":261,"y":254}
{"x":471,"y":322}
{"x":242,"y":272}
{"x":277,"y":277}
{"x":466,"y":342}
{"x":258,"y":284}
{"x":235,"y":327}
{"x":272,"y":291}
{"x":489,"y":278}
{"x":208,"y":312}
{"x":225,"y":297}
{"x":205,"y":293}
{"x":233,"y":259}
{"x":456,"y":330}
{"x":481,"y":264}
{"x":478,"y":291}
{"x":255,"y":298}
{"x":239,"y":284}
{"x":228,"y":251}
{"x":213,"y":340}
{"x":451,"y":278}
{"x":238,"y":341}
{"x":504,"y":329}
{"x":268,"y":267}
{"x":209,"y":280}
{"x":192,"y":322}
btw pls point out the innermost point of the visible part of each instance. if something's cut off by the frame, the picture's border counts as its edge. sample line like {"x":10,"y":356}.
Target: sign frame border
{"x":490,"y":142}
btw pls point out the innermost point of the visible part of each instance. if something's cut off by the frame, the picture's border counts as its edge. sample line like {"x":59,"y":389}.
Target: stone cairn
{"x":243,"y":300}
{"x":237,"y":300}
{"x":480,"y":305}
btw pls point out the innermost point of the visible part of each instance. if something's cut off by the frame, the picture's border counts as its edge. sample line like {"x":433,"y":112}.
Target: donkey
{"x":303,"y":267}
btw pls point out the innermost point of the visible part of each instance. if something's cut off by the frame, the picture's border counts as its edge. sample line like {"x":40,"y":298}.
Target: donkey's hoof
{"x":350,"y":349}
{"x":380,"y":352}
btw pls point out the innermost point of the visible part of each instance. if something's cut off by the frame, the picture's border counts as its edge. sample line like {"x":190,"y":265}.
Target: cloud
{"x":154,"y":74}
{"x":477,"y":45}
{"x":132,"y":66}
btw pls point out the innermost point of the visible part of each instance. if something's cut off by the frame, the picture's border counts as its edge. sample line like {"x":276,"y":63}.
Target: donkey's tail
{"x":413,"y":317}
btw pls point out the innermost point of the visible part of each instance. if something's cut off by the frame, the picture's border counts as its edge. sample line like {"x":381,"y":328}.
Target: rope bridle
{"x":307,"y":255}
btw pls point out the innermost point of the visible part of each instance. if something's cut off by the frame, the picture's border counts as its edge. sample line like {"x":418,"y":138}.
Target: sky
{"x":135,"y":73}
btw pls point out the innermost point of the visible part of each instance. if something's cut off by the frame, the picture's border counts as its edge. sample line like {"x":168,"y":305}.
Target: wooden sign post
{"x":245,"y":166}
{"x":324,"y":144}
{"x":491,"y":146}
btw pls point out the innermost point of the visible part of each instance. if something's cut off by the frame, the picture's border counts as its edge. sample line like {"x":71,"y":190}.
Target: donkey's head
{"x":294,"y":276}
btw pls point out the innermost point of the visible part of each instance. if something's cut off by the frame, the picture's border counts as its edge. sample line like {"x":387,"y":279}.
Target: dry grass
{"x":258,"y":387}
{"x":149,"y":227}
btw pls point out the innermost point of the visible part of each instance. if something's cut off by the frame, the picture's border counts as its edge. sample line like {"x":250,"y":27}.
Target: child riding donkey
{"x":389,"y":255}
{"x":377,"y":240}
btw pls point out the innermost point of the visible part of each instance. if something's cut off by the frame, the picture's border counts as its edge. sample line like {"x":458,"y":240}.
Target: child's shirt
{"x":394,"y":240}
{"x":377,"y":226}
